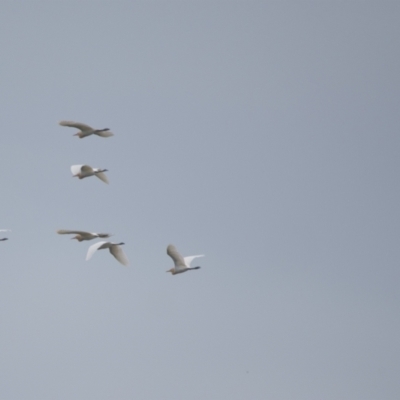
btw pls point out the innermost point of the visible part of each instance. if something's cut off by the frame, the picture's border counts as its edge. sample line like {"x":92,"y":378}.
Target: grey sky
{"x":264,"y":135}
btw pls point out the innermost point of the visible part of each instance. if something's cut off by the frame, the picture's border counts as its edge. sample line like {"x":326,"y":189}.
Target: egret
{"x":115,"y":250}
{"x":83,"y":171}
{"x":81,"y":235}
{"x":182,"y":264}
{"x":86,"y":130}
{"x":4,"y":230}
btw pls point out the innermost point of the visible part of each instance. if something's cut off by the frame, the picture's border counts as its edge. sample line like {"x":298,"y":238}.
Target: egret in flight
{"x":81,"y":235}
{"x":115,"y":250}
{"x":83,"y":171}
{"x":86,"y":130}
{"x":182,"y":264}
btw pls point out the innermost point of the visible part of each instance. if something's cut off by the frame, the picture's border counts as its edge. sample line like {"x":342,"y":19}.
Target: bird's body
{"x":4,"y":230}
{"x":82,"y":235}
{"x":86,"y":130}
{"x":182,"y":264}
{"x":84,"y":171}
{"x":115,"y":250}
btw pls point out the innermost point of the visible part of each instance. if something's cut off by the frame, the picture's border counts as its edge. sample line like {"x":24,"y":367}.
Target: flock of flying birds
{"x":181,"y":264}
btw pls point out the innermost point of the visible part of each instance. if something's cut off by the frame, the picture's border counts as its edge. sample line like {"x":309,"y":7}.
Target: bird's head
{"x":79,"y":134}
{"x":171,"y":270}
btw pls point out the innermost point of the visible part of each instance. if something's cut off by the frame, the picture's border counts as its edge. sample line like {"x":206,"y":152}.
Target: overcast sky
{"x":264,"y":135}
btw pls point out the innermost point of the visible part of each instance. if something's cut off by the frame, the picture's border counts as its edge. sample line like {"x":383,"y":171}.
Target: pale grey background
{"x":262,"y":134}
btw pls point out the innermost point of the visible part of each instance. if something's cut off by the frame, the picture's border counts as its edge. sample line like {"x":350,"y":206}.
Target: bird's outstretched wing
{"x":92,"y":249}
{"x":119,"y":254}
{"x":67,"y":232}
{"x":176,"y":257}
{"x":189,"y":259}
{"x":78,"y":125}
{"x":102,"y":176}
{"x":103,"y":133}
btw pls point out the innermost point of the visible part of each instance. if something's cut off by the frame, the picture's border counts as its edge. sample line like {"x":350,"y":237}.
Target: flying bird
{"x":182,"y":264}
{"x":86,"y":130}
{"x":81,"y":235}
{"x":83,"y":171}
{"x":4,"y":230}
{"x":115,"y":250}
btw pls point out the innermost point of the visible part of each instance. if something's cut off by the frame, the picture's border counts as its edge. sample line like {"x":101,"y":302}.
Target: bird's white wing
{"x":102,"y":176}
{"x":86,"y":169}
{"x":189,"y":259}
{"x":176,"y":257}
{"x":78,"y":125}
{"x":104,"y":134}
{"x":67,"y":232}
{"x":119,"y":254}
{"x":5,"y":230}
{"x":76,"y":169}
{"x":92,"y":249}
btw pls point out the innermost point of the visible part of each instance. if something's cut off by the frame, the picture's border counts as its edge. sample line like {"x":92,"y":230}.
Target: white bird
{"x":114,"y":248}
{"x":86,"y":130}
{"x":82,"y":235}
{"x":83,"y":171}
{"x":182,"y":264}
{"x":4,"y":230}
